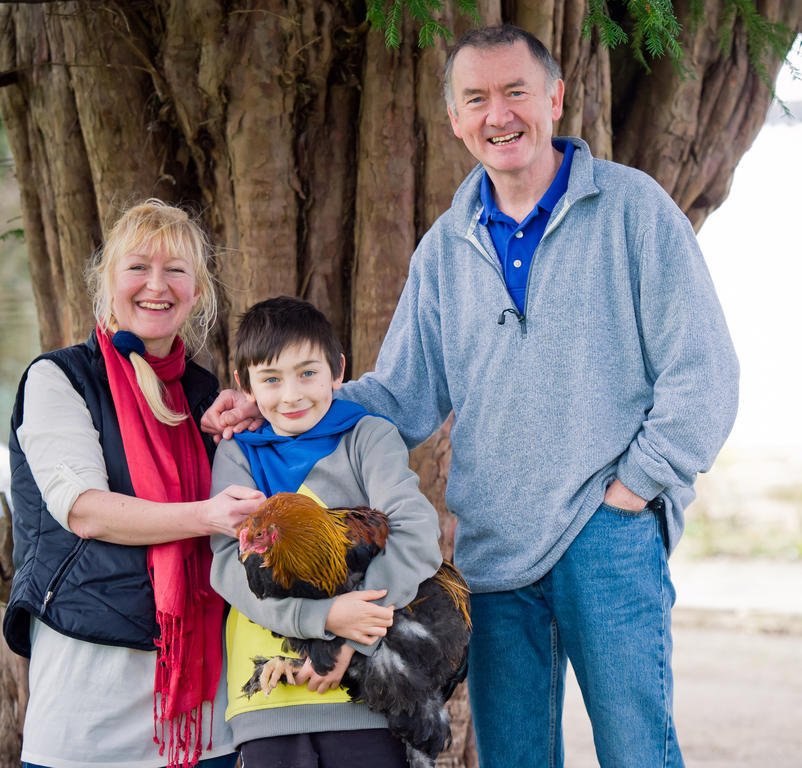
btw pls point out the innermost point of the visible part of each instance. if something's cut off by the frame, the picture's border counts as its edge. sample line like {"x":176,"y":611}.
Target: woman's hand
{"x":231,"y":412}
{"x":356,"y":617}
{"x":329,"y":681}
{"x":225,"y":511}
{"x":122,"y":519}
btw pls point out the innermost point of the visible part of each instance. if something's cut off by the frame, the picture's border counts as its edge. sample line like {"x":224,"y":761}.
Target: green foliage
{"x":696,"y":12}
{"x":762,"y":36}
{"x":655,"y":30}
{"x":653,"y":26}
{"x":16,"y":234}
{"x":796,"y":47}
{"x":610,"y":32}
{"x":387,"y":16}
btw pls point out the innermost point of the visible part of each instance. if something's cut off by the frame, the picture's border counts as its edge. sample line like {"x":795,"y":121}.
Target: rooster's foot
{"x":268,"y":673}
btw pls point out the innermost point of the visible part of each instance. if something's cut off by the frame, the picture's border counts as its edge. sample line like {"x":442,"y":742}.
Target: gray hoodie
{"x":622,"y":366}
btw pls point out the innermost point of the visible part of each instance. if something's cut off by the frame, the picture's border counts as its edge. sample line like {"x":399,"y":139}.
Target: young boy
{"x":289,"y":362}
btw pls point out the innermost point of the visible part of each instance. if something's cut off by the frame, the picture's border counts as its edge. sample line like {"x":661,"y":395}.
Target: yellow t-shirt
{"x":246,"y":639}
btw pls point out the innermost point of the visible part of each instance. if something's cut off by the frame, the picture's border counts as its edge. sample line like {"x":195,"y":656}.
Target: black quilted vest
{"x":84,"y":588}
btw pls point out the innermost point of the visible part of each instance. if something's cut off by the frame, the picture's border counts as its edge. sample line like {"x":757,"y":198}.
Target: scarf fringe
{"x":184,"y":751}
{"x":184,"y":742}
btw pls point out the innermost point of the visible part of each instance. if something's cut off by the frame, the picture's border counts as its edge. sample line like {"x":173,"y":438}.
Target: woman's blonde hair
{"x":155,"y":225}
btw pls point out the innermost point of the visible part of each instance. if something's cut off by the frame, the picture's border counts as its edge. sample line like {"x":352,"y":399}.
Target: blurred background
{"x":19,"y":334}
{"x":751,"y":503}
{"x":737,"y":622}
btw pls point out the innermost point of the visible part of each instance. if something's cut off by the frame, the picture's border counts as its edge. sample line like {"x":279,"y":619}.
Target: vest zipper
{"x":57,"y":576}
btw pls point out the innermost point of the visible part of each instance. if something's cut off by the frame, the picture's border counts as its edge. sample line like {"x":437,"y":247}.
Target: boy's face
{"x":294,"y":391}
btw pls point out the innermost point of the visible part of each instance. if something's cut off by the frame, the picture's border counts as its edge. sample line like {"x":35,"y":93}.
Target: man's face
{"x":504,"y":109}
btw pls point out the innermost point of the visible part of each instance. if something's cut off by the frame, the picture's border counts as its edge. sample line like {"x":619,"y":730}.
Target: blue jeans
{"x":606,"y":606}
{"x":225,"y":761}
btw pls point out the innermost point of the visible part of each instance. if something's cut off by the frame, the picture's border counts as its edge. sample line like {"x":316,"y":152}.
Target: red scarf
{"x":168,"y":464}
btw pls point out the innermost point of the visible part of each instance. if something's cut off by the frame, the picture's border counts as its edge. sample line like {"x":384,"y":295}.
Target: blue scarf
{"x":280,"y":463}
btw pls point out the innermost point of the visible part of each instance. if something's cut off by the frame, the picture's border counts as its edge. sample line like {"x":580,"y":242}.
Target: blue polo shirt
{"x":516,"y":243}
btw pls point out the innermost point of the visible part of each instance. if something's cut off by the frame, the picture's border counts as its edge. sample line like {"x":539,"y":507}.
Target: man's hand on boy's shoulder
{"x":230,"y":413}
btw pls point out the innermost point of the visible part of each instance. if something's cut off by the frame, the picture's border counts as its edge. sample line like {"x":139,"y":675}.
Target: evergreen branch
{"x":374,"y":14}
{"x":727,"y":27}
{"x":387,"y":16}
{"x":16,"y":234}
{"x":763,"y":37}
{"x":655,"y":29}
{"x":429,"y":31}
{"x":597,"y":17}
{"x":392,"y":32}
{"x":468,"y":8}
{"x":696,"y":13}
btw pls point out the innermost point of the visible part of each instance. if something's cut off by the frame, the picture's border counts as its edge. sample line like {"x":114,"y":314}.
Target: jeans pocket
{"x":655,"y":507}
{"x":626,"y":512}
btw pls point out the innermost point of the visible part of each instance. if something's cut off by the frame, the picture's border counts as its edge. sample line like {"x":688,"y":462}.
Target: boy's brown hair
{"x":270,"y":326}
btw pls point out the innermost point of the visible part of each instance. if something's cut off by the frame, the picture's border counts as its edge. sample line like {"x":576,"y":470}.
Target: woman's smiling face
{"x":152,"y":293}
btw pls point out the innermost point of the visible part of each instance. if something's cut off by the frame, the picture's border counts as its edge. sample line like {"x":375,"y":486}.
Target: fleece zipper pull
{"x":518,"y":316}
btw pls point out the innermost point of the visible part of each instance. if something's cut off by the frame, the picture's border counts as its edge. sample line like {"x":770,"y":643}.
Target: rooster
{"x":293,"y":547}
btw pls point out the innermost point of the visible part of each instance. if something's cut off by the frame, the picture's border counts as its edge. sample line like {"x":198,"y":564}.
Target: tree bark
{"x":13,"y":668}
{"x":315,"y":157}
{"x":689,"y":132}
{"x":385,"y":194}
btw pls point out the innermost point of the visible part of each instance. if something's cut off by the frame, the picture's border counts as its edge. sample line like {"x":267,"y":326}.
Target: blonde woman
{"x":110,"y":484}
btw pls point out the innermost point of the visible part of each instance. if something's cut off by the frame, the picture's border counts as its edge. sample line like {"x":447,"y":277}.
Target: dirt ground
{"x":737,"y":668}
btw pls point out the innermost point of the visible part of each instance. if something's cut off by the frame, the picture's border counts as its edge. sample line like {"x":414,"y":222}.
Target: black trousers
{"x":327,"y":749}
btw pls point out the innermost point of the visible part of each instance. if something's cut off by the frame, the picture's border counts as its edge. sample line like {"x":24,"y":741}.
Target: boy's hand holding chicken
{"x":355,"y":616}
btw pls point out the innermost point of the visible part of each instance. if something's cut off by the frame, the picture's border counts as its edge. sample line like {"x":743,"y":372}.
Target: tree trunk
{"x":316,"y":157}
{"x":13,"y":668}
{"x":690,"y":132}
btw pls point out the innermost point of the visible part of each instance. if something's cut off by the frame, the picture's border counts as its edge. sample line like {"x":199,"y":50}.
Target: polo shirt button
{"x":516,"y":263}
{"x":519,"y":234}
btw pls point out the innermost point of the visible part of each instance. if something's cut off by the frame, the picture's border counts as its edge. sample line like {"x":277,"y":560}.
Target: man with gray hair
{"x":562,"y":310}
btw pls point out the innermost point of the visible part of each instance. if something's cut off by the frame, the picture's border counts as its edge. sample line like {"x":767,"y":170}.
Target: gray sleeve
{"x":291,"y":617}
{"x":412,"y":554}
{"x":59,"y":440}
{"x":688,"y":350}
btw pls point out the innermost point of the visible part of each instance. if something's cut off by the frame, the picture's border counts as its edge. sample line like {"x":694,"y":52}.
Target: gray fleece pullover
{"x":621,"y":367}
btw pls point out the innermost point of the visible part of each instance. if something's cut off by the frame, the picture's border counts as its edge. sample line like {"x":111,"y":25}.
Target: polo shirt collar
{"x":550,"y":197}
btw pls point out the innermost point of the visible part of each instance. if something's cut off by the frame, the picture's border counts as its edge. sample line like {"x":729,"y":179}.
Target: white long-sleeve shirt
{"x":90,"y":704}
